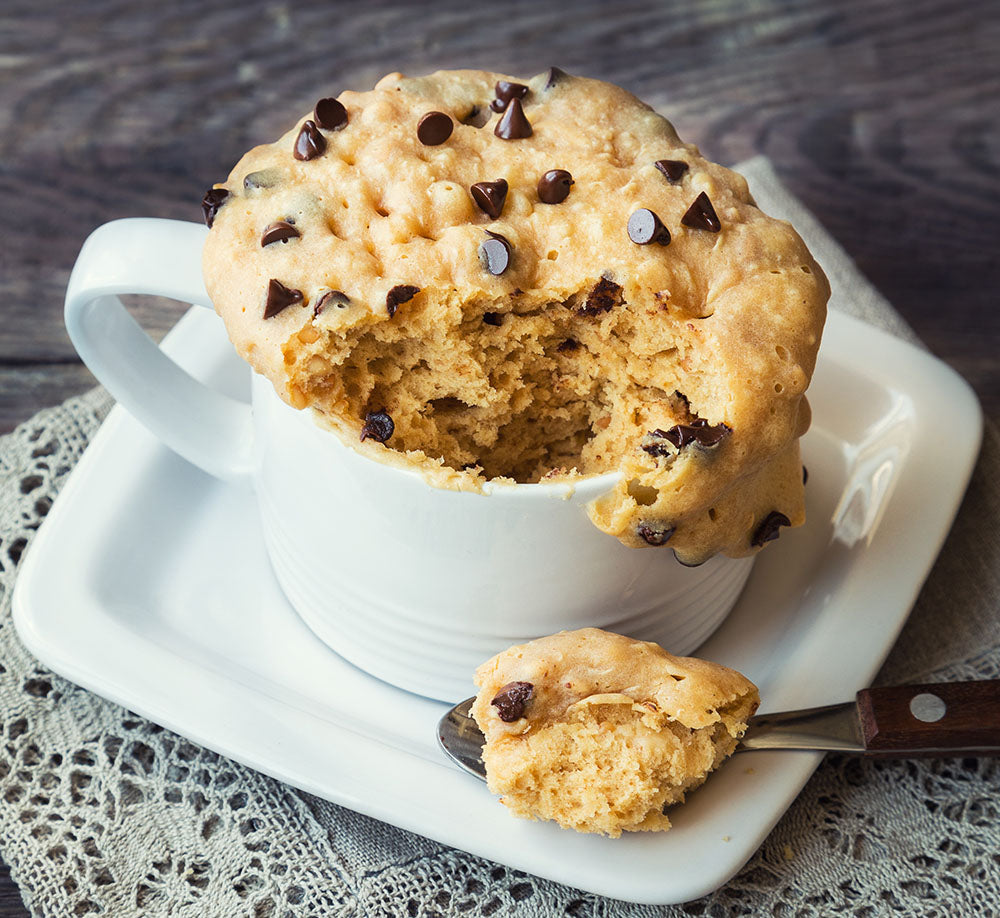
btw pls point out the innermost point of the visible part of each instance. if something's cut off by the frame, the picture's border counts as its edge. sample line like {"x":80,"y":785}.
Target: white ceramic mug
{"x":416,"y":585}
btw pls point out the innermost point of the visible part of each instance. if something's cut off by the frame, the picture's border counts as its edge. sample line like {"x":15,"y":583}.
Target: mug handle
{"x":161,"y":258}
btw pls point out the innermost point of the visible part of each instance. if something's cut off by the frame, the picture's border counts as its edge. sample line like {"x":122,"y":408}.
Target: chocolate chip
{"x":568,"y":346}
{"x":513,"y":125}
{"x":655,"y":533}
{"x":494,"y":253}
{"x":701,"y":215}
{"x":512,"y":699}
{"x":378,"y":426}
{"x":310,"y":143}
{"x":263,"y":178}
{"x":553,"y":187}
{"x":401,"y":293}
{"x":555,"y":75}
{"x":699,"y":431}
{"x":490,"y":196}
{"x":331,"y":298}
{"x":279,"y":231}
{"x":605,"y":295}
{"x":279,"y":297}
{"x":706,"y":434}
{"x":330,"y":115}
{"x":493,"y":318}
{"x":210,"y":204}
{"x":434,"y":128}
{"x":673,"y":169}
{"x":645,"y":227}
{"x":767,"y":531}
{"x":505,"y":92}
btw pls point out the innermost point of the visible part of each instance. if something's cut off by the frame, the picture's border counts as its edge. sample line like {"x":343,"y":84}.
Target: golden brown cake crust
{"x":599,"y":732}
{"x":588,"y":341}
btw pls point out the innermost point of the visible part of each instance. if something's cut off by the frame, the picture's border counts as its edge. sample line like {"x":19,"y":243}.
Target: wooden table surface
{"x":881,"y":115}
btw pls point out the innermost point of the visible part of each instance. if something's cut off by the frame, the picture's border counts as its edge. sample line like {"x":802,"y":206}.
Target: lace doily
{"x":104,"y":813}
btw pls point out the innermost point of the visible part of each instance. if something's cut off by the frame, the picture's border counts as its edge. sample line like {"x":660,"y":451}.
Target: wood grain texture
{"x":880,"y":115}
{"x":968,"y":722}
{"x":11,"y":905}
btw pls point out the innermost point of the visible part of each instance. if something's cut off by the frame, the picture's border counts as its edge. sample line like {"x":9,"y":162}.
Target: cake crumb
{"x":609,"y":735}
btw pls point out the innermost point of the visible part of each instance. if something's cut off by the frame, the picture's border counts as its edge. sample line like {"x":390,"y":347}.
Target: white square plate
{"x":149,"y":584}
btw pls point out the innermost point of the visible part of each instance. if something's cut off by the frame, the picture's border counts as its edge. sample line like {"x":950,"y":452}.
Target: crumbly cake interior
{"x":528,"y":280}
{"x":601,"y":733}
{"x":540,"y":387}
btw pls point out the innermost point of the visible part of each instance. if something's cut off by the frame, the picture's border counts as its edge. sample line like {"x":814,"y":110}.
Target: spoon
{"x":942,"y":719}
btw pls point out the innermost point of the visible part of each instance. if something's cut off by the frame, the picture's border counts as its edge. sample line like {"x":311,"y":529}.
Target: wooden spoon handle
{"x":947,"y":718}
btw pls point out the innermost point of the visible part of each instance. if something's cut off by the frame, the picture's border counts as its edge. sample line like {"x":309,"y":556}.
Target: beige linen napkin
{"x":102,"y":812}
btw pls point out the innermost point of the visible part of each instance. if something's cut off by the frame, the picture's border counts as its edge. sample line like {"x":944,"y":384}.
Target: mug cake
{"x":489,"y":278}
